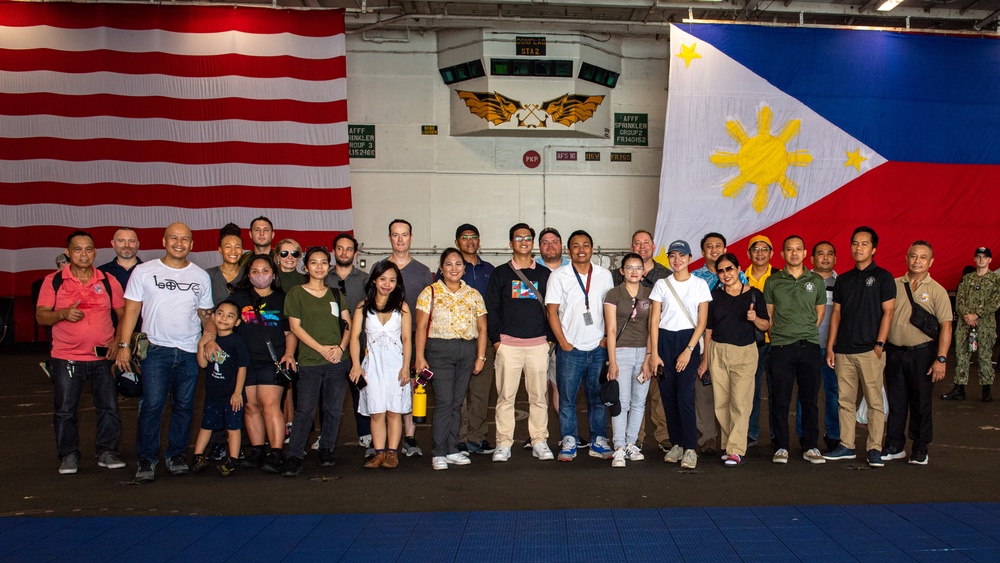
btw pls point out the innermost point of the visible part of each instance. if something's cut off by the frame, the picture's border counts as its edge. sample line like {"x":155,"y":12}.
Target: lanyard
{"x":586,"y":290}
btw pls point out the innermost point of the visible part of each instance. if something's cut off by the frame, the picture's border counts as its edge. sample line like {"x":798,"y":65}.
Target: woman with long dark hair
{"x":264,"y":329}
{"x":731,"y":354}
{"x":385,"y":367}
{"x":318,"y":317}
{"x":451,"y":341}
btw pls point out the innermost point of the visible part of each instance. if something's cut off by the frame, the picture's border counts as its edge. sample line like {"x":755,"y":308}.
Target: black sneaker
{"x":326,"y":458}
{"x":199,"y":463}
{"x":293,"y":466}
{"x":410,"y":447}
{"x":146,"y":471}
{"x":918,"y":458}
{"x":274,"y":461}
{"x":875,"y":458}
{"x":227,"y":469}
{"x":219,"y":452}
{"x":254,"y":457}
{"x":177,"y":466}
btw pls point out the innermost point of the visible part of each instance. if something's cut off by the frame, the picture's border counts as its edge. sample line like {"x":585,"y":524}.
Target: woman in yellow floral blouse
{"x":451,"y":342}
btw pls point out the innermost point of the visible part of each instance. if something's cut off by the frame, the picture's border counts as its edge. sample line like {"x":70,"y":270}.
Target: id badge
{"x":588,"y":319}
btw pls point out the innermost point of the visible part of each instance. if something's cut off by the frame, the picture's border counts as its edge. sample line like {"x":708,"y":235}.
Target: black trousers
{"x":909,"y":390}
{"x":792,"y":364}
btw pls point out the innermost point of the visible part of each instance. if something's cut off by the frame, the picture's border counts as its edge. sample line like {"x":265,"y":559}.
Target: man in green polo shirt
{"x":796,"y":302}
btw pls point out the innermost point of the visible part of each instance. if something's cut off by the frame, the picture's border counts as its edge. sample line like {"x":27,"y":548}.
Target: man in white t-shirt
{"x":575,"y":307}
{"x":175,"y":299}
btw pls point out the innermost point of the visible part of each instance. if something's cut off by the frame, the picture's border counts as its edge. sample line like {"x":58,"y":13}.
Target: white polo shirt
{"x":564,"y":289}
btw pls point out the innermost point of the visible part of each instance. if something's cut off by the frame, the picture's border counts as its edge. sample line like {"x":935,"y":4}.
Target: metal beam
{"x":986,"y":21}
{"x":748,"y":9}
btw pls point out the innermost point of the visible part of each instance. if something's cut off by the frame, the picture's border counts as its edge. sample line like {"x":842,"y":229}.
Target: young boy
{"x":223,"y":388}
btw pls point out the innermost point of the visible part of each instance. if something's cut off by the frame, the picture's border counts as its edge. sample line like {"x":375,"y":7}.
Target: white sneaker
{"x":457,"y":459}
{"x":780,"y":456}
{"x":674,"y":455}
{"x":439,"y":463}
{"x":315,"y":445}
{"x":541,"y":451}
{"x":633,"y":453}
{"x":618,"y":459}
{"x":501,"y":454}
{"x":813,"y":456}
{"x":690,"y":460}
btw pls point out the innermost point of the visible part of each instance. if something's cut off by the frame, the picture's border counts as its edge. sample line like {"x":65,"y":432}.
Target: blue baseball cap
{"x":679,"y":246}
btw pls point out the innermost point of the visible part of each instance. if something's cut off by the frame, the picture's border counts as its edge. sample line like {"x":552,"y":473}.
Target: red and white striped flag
{"x":141,"y":115}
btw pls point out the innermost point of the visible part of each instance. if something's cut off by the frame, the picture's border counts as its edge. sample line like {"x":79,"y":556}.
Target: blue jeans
{"x":166,"y":369}
{"x":763,"y":359}
{"x":632,"y":395}
{"x":572,"y":368}
{"x":831,"y":407}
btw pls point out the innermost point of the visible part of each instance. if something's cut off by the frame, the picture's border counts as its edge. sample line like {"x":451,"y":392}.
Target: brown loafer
{"x":375,"y":462}
{"x":391,"y":460}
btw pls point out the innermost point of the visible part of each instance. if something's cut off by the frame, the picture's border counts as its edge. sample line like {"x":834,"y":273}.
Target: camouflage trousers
{"x":986,"y":334}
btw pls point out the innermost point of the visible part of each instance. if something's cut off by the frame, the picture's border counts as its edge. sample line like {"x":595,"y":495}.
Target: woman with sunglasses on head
{"x":678,"y":315}
{"x":730,"y":354}
{"x":626,"y":319}
{"x":229,"y":273}
{"x":318,"y":317}
{"x":385,"y":366}
{"x":264,"y":328}
{"x":286,"y":254}
{"x":450,"y":341}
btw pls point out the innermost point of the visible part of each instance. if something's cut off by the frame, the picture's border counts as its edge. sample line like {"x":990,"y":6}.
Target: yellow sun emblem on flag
{"x":762,"y":159}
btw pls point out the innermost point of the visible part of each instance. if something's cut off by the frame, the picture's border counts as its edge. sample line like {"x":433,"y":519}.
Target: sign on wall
{"x":632,"y":129}
{"x":361,"y":141}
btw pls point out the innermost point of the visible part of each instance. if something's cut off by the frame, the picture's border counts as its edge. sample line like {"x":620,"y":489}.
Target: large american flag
{"x":142,"y":115}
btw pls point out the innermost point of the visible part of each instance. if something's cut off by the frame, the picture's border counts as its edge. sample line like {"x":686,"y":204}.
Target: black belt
{"x":908,"y":348}
{"x":799,"y":343}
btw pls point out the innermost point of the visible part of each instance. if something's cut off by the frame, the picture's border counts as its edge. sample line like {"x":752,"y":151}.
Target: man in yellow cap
{"x":760,"y":252}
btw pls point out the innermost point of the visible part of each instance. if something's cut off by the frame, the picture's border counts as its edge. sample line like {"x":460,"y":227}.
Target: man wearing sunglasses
{"x":472,"y":434}
{"x":351,"y":282}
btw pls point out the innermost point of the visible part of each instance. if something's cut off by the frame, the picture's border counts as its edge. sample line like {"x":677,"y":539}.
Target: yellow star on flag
{"x":855,"y":159}
{"x":687,"y":53}
{"x":661,"y":257}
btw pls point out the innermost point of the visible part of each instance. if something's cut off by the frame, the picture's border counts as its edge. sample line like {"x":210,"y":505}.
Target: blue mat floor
{"x":906,"y":532}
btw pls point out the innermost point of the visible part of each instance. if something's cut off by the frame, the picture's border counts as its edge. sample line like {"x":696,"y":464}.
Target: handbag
{"x":758,"y":334}
{"x":140,"y":345}
{"x":282,"y":374}
{"x":921,"y":318}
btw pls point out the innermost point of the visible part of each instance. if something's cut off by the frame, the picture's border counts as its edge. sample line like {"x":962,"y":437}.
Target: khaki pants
{"x":655,"y":414}
{"x":511,"y":361}
{"x":704,"y":408}
{"x":476,"y":408}
{"x":868,"y":369}
{"x":733,"y":370}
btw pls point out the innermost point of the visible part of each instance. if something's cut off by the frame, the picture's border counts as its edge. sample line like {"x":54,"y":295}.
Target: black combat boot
{"x":987,"y":394}
{"x":957,"y":393}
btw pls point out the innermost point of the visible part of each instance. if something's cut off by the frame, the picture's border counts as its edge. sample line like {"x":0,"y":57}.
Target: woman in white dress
{"x":386,"y":322}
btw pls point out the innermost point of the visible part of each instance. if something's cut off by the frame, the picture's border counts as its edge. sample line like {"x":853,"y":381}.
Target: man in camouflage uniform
{"x":977,"y":300}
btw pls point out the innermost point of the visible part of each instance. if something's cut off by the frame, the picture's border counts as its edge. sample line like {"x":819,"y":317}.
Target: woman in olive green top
{"x":314,"y":313}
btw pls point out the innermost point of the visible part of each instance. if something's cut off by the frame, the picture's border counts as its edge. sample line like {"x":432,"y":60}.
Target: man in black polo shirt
{"x":863,"y":303}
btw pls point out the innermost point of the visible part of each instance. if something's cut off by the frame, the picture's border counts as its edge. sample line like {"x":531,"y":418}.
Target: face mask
{"x":261,"y":281}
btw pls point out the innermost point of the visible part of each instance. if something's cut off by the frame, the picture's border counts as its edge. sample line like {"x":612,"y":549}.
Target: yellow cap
{"x":760,"y":238}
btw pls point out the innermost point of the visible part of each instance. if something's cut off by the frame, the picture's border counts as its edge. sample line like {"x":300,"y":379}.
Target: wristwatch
{"x":123,"y":344}
{"x":880,"y":344}
{"x":691,"y":348}
{"x":942,"y":360}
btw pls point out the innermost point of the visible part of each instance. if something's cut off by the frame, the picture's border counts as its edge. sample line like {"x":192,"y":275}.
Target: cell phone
{"x":101,"y":351}
{"x":706,"y":379}
{"x":425,"y":376}
{"x":639,"y":378}
{"x":361,"y":384}
{"x":660,"y":371}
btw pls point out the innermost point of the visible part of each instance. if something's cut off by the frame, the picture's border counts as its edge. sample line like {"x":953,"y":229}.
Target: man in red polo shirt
{"x":78,"y":307}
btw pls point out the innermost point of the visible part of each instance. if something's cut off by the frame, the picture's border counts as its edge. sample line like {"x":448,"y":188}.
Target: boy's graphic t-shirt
{"x":220,"y":376}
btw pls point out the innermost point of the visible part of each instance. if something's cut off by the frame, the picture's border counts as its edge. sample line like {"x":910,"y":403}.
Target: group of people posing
{"x":285,"y":329}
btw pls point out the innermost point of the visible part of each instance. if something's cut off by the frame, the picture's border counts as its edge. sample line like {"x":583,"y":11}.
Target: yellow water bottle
{"x":419,"y":405}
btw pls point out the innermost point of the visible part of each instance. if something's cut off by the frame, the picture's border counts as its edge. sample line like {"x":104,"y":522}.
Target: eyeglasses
{"x":760,"y":250}
{"x":294,"y":253}
{"x":726,"y":269}
{"x":469,"y":237}
{"x":528,"y":238}
{"x":633,"y":268}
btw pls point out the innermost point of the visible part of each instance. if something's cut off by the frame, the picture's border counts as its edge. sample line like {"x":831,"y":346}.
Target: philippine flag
{"x":813,"y":132}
